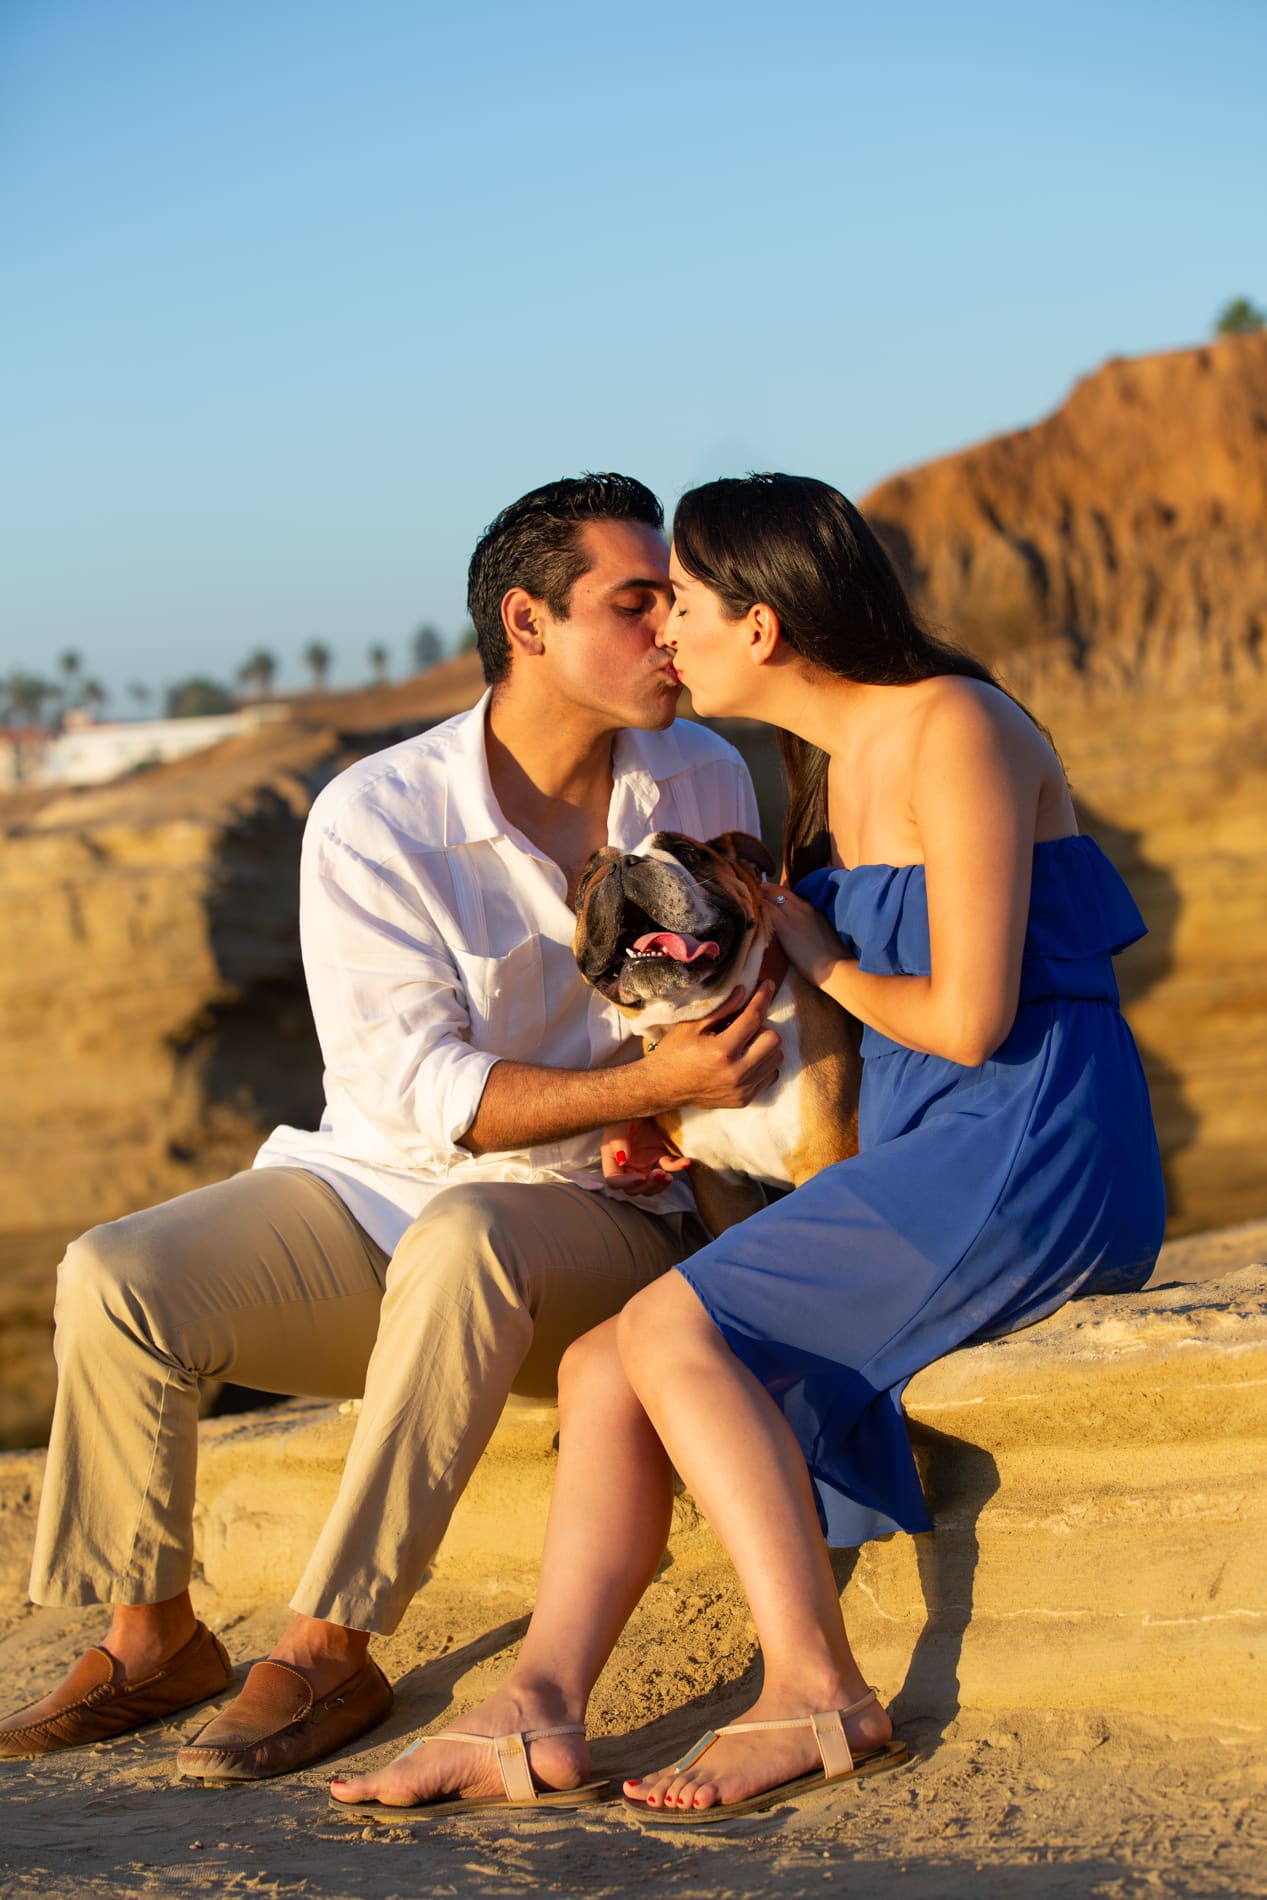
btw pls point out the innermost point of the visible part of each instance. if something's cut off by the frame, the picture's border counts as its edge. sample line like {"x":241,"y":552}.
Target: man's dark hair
{"x":535,"y":544}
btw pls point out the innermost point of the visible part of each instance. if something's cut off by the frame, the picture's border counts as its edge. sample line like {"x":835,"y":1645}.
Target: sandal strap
{"x":829,"y":1733}
{"x":528,"y":1734}
{"x":510,"y":1753}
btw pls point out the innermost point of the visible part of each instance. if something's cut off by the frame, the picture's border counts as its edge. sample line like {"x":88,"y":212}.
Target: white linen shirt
{"x":437,"y":940}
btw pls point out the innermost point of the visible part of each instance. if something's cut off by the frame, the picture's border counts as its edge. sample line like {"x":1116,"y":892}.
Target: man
{"x":444,"y":1234}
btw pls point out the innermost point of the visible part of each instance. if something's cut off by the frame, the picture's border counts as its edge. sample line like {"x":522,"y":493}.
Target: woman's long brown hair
{"x":799,"y":546}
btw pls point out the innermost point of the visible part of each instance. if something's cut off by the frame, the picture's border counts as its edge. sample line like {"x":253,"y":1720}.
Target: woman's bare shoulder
{"x":971,"y":736}
{"x":954,"y":709}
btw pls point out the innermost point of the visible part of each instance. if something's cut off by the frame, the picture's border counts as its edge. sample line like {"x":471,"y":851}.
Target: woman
{"x":1007,"y":1160}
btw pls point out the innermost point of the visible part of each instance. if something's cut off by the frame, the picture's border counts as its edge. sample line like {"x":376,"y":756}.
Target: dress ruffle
{"x":1081,"y":916}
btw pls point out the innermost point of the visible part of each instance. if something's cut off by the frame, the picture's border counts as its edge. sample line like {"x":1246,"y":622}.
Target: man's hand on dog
{"x":717,"y":1062}
{"x":723,"y":1060}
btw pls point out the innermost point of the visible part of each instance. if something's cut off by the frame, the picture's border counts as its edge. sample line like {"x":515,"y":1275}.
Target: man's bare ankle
{"x":320,"y":1649}
{"x":144,"y":1636}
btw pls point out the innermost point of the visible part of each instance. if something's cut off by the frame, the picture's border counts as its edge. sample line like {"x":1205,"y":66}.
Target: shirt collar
{"x":472,"y":814}
{"x":635,"y":780}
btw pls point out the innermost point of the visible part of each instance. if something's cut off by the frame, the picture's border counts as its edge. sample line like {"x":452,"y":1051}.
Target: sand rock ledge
{"x":1099,"y":1483}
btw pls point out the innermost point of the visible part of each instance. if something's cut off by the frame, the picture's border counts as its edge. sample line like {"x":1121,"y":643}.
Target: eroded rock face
{"x":1125,"y":534}
{"x":153,"y":1020}
{"x":1098,"y":1483}
{"x":1175,"y":788}
{"x":154,"y":1023}
{"x":1112,"y":562}
{"x":150,"y":1017}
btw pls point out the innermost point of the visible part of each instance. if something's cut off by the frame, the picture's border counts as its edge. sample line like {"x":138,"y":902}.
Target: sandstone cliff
{"x":153,"y":1018}
{"x":1125,"y":535}
{"x":153,"y":1023}
{"x":154,"y":1015}
{"x":1112,"y":561}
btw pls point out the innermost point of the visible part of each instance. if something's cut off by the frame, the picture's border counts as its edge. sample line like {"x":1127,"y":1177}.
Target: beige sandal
{"x":839,"y":1764}
{"x":511,"y":1754}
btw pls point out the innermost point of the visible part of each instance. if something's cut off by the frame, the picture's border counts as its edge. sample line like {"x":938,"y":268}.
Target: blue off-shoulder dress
{"x":981,"y":1199}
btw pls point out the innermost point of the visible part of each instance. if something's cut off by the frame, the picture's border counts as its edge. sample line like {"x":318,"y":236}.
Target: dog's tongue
{"x":683,"y":949}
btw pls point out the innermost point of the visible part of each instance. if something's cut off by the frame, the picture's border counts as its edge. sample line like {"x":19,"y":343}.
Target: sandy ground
{"x":1048,"y":1805}
{"x":1053,"y":1804}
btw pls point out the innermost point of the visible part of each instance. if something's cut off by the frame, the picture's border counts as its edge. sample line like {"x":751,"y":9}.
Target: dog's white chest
{"x":759,"y":1139}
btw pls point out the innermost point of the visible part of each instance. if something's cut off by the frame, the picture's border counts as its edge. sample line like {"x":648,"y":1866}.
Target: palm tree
{"x":197,"y":698}
{"x":93,"y":695}
{"x":139,"y":693}
{"x":259,"y":672}
{"x":26,"y":695}
{"x":427,"y":647}
{"x":1239,"y":318}
{"x":317,"y":659}
{"x":378,"y":657}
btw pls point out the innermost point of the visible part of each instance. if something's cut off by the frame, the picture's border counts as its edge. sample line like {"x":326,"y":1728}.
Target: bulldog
{"x":664,"y":934}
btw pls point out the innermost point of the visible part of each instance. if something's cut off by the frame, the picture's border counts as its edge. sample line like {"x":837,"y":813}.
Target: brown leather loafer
{"x":97,"y":1702}
{"x":279,"y":1723}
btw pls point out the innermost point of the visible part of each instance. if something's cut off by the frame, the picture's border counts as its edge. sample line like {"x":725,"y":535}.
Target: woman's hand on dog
{"x":812,"y":945}
{"x":635,"y":1160}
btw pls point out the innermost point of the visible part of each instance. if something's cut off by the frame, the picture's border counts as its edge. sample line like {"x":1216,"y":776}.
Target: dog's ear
{"x":594,"y":864}
{"x":747,"y":849}
{"x":599,"y":903}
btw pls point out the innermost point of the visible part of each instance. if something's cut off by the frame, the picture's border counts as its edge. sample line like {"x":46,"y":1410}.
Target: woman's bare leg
{"x":743,"y":1467}
{"x":608,"y":1525}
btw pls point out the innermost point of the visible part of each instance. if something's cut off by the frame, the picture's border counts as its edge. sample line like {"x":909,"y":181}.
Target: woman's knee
{"x":659,"y":1327}
{"x":593,"y":1386}
{"x":644,"y":1327}
{"x":595,"y":1356}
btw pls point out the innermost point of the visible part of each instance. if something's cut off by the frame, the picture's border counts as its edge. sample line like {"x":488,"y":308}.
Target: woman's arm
{"x":974,"y":789}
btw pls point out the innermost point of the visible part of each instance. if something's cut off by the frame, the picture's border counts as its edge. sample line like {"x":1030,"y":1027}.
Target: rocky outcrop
{"x":1099,"y":1484}
{"x":153,"y":1022}
{"x":1112,"y":561}
{"x":153,"y":1018}
{"x":1125,"y":536}
{"x":1099,"y":1488}
{"x":1175,"y":788}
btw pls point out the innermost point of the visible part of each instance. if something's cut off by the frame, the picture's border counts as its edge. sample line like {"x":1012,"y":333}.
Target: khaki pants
{"x":268,"y":1280}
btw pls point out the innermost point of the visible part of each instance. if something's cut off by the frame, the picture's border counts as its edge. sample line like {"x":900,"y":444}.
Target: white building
{"x":86,"y":753}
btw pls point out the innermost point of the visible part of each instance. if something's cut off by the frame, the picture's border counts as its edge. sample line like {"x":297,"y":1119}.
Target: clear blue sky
{"x":299,"y":293}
